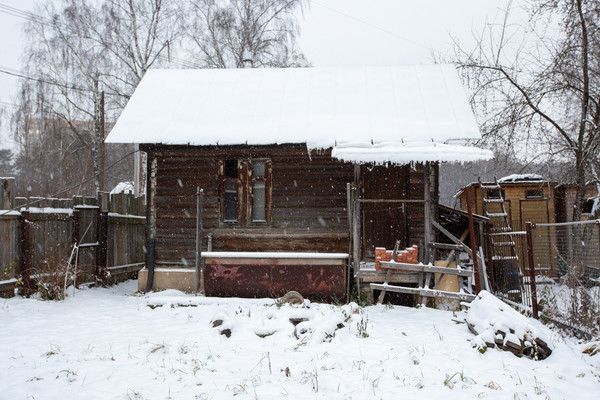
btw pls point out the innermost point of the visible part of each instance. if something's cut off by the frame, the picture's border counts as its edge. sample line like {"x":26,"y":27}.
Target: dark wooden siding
{"x":308,"y":199}
{"x":308,"y":202}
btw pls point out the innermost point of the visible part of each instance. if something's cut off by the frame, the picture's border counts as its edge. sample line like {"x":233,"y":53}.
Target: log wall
{"x":308,"y":209}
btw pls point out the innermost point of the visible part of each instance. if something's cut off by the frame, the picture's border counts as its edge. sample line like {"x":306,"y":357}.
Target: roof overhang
{"x":367,"y":114}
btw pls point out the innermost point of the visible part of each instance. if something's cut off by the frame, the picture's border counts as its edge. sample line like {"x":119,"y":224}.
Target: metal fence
{"x":566,"y":262}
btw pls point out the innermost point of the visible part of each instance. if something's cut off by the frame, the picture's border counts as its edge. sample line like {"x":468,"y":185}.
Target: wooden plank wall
{"x":10,"y":249}
{"x":125,"y":240}
{"x":51,"y":235}
{"x":415,"y":211}
{"x":308,"y":201}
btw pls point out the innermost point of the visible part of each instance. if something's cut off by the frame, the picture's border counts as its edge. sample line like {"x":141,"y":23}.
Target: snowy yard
{"x":109,"y":344}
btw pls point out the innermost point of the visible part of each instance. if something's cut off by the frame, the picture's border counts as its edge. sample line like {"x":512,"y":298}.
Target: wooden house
{"x":530,"y":198}
{"x":262,"y":181}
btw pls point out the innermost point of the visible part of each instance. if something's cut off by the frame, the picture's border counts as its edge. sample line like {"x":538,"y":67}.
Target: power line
{"x":56,"y":195}
{"x":362,"y":21}
{"x":27,"y":15}
{"x":18,"y":75}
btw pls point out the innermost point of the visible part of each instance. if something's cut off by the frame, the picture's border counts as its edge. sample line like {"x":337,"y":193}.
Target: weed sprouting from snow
{"x":538,"y":387}
{"x":265,"y":357}
{"x":157,"y":347}
{"x":362,"y":325}
{"x":134,"y":395}
{"x":68,"y":374}
{"x":375,"y":384}
{"x":54,"y":350}
{"x":183,"y":349}
{"x":493,"y":385}
{"x":313,"y":377}
{"x":238,"y":389}
{"x":359,"y":364}
{"x":451,"y":382}
{"x":438,"y":333}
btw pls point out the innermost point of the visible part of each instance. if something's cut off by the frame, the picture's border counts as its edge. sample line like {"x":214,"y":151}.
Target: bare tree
{"x":538,"y":94}
{"x":78,"y":51}
{"x":231,"y":33}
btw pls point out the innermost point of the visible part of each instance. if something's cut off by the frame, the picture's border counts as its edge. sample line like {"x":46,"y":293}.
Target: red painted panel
{"x":266,"y":278}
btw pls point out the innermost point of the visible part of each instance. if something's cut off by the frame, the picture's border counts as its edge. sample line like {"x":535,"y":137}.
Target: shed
{"x":303,"y":171}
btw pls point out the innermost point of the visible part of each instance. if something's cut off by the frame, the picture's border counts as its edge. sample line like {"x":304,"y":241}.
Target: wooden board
{"x":448,"y":283}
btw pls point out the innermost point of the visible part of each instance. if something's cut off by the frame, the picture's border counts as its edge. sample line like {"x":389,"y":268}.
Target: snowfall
{"x":113,"y":343}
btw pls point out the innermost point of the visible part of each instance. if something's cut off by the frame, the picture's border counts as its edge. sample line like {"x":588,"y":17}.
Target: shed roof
{"x":348,"y":108}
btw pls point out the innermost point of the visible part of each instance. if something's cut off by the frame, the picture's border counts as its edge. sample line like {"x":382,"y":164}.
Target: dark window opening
{"x":245,"y":191}
{"x":231,"y":169}
{"x":495,"y":194}
{"x":230,"y":206}
{"x":588,"y":206}
{"x":534,"y":194}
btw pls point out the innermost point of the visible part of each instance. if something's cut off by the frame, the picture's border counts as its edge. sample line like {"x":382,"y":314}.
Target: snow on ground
{"x":110,"y":344}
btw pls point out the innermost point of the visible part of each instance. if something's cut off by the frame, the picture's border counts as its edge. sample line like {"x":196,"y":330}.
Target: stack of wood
{"x":497,"y":325}
{"x":532,"y":347}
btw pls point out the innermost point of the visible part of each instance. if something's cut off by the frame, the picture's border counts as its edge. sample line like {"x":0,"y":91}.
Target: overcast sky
{"x":333,"y":32}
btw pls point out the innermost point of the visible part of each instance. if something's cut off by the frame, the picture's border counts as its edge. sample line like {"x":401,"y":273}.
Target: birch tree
{"x":78,"y":49}
{"x":233,"y":33}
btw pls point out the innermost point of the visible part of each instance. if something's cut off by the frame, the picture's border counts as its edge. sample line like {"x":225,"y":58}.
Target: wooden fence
{"x":35,"y":234}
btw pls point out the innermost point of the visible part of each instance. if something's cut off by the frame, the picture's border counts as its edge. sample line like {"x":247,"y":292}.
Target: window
{"x":589,"y":205}
{"x":259,"y":191}
{"x":496,"y":194}
{"x":245,"y":191}
{"x":230,"y":185}
{"x":534,"y":194}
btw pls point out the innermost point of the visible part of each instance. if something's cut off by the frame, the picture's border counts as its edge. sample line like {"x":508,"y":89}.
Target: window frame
{"x":245,"y":185}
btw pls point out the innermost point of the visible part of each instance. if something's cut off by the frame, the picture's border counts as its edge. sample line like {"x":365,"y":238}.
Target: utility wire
{"x":18,"y":75}
{"x":362,"y":21}
{"x":74,"y":30}
{"x":56,"y":195}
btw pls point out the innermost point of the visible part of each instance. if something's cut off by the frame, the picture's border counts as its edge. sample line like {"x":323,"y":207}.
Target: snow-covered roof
{"x":521,"y":178}
{"x":123,"y":187}
{"x":352,"y":108}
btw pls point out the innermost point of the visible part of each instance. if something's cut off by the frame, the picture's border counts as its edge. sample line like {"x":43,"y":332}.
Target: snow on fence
{"x":107,"y":231}
{"x":566,"y":260}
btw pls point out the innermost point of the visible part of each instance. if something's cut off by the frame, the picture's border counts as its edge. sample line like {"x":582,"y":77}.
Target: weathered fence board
{"x":54,"y":226}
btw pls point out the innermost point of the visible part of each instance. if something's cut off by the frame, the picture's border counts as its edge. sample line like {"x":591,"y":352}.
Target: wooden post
{"x":534,"y":305}
{"x":26,"y":253}
{"x":199,"y":201}
{"x":473,"y":245}
{"x":427,"y":210}
{"x":350,"y":244}
{"x":356,"y":237}
{"x":151,"y":222}
{"x":102,"y":248}
{"x":7,"y":195}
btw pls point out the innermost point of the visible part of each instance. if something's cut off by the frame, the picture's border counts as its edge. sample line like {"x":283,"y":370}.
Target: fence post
{"x":26,"y":253}
{"x":199,"y":212}
{"x":473,"y":245}
{"x":102,"y":238}
{"x":534,"y":305}
{"x":102,"y":249}
{"x":75,"y":232}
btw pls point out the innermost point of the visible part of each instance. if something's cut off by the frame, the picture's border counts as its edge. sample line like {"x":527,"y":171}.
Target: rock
{"x":226,"y":332}
{"x":296,"y":320}
{"x":292,"y":297}
{"x":217,"y":322}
